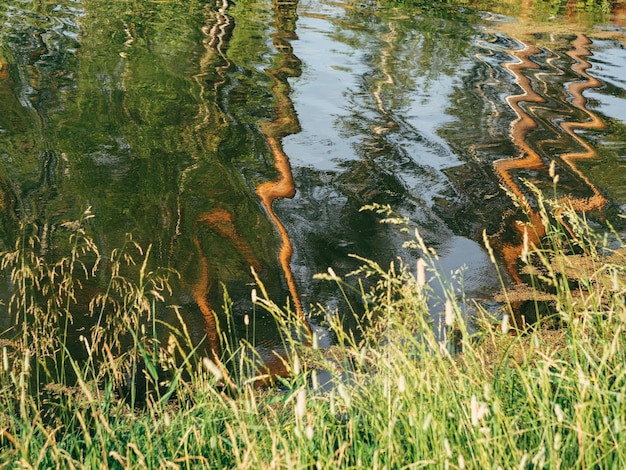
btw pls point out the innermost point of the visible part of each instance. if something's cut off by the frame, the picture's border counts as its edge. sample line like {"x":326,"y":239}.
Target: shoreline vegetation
{"x":398,"y":391}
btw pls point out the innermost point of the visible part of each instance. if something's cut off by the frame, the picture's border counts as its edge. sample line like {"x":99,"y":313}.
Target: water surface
{"x":231,"y":136}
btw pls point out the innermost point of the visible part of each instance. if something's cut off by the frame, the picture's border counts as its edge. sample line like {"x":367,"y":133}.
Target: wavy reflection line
{"x":215,"y":44}
{"x":286,"y":123}
{"x":391,"y":40}
{"x":218,"y":220}
{"x":576,"y":89}
{"x":529,"y":158}
{"x":490,"y":81}
{"x":199,"y":292}
{"x":221,"y":222}
{"x":523,"y":124}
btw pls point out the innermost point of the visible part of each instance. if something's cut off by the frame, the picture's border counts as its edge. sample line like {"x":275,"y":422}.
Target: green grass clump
{"x":396,"y":392}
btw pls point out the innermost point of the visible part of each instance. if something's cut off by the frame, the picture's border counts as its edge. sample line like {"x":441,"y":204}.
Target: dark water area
{"x":250,"y":134}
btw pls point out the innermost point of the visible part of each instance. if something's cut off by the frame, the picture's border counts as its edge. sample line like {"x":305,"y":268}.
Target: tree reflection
{"x":225,"y":219}
{"x":530,"y":158}
{"x":576,"y":89}
{"x":285,"y":123}
{"x":150,"y":115}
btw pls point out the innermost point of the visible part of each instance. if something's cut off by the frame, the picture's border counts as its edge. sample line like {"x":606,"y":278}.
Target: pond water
{"x":230,"y":135}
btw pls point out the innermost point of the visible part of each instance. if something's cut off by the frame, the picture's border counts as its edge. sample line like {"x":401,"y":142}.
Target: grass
{"x":402,"y":392}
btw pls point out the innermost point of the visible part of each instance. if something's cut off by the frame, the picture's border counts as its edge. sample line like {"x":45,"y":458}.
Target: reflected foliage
{"x":231,"y":135}
{"x":585,"y":9}
{"x":143,"y":112}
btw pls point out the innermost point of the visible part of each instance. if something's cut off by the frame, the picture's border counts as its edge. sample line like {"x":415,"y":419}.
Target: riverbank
{"x":482,"y":391}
